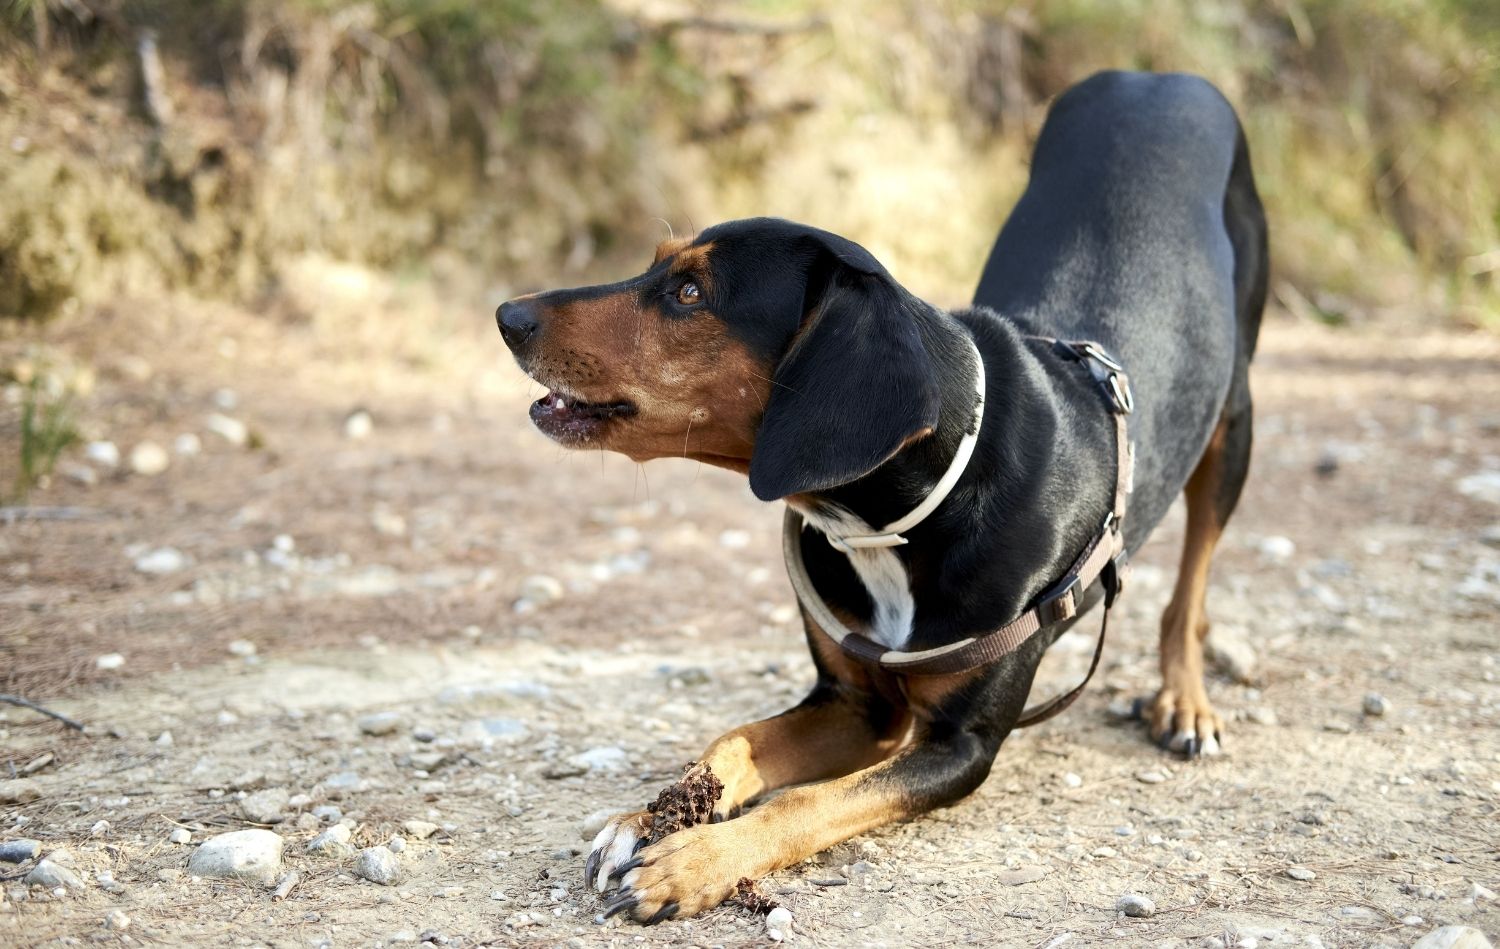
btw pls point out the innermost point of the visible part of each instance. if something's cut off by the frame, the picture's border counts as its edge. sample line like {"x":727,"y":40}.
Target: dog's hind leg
{"x":1180,"y":716}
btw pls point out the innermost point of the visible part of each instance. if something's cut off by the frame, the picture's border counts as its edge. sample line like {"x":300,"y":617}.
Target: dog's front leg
{"x":697,"y":868}
{"x":833,"y":732}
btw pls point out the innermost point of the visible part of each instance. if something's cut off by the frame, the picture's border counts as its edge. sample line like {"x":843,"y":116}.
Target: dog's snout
{"x":517,"y":321}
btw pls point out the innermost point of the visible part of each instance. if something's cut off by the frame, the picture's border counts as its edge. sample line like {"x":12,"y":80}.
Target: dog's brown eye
{"x":688,"y":294}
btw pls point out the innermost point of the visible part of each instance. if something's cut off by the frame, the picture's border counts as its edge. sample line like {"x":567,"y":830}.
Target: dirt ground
{"x":324,"y":578}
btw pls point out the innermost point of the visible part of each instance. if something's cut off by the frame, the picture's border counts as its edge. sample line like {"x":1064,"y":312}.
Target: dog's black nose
{"x":517,"y":323}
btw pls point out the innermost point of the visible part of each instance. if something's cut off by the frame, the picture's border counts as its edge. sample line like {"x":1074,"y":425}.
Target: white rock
{"x":19,"y":791}
{"x":1453,"y":937}
{"x":1277,"y":549}
{"x":164,"y":740}
{"x":1478,"y":891}
{"x":419,"y":829}
{"x":734,"y":539}
{"x":162,"y":560}
{"x":227,"y":399}
{"x":243,"y":648}
{"x":52,"y":874}
{"x":103,"y":454}
{"x":397,"y":843}
{"x":1301,"y":873}
{"x":779,"y":918}
{"x":149,"y":458}
{"x":1484,"y":486}
{"x":1376,"y":705}
{"x":79,"y":474}
{"x":116,"y":920}
{"x":378,"y":865}
{"x":266,"y":807}
{"x":379,"y":723}
{"x":231,"y":430}
{"x":1150,"y":777}
{"x":334,"y":842}
{"x":1072,"y":780}
{"x":187,"y":444}
{"x":541,"y":589}
{"x":602,"y":759}
{"x":1230,"y":651}
{"x":109,"y":661}
{"x":1133,"y":904}
{"x":358,"y":425}
{"x":247,"y":854}
{"x":180,"y":835}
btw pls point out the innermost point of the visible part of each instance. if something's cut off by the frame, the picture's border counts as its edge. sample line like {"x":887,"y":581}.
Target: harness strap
{"x":1103,"y":558}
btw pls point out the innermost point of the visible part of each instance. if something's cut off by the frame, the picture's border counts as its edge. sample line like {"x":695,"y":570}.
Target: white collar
{"x":890,"y":535}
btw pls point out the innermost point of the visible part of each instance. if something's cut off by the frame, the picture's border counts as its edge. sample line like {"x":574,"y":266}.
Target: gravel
{"x":333,"y":842}
{"x":380,"y":723}
{"x":245,"y":854}
{"x":1301,"y":873}
{"x":266,"y":807}
{"x":180,"y":835}
{"x":19,"y":850}
{"x":1133,"y":904}
{"x":1376,"y":705}
{"x":52,"y":875}
{"x":378,"y":865}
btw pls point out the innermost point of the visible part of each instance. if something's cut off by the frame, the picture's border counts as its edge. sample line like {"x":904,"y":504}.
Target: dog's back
{"x":1141,"y":229}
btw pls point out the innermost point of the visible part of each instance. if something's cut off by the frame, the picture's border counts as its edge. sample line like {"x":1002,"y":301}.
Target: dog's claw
{"x":1138,"y":709}
{"x":666,"y":912}
{"x":626,"y":867}
{"x":624,"y":901}
{"x":591,"y":869}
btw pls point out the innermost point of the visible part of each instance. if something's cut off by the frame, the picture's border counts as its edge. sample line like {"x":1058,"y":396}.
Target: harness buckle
{"x":1061,"y":603}
{"x":1120,"y":394}
{"x":1095,"y":351}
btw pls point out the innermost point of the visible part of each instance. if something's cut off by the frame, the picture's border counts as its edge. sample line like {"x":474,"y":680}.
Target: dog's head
{"x":764,"y":346}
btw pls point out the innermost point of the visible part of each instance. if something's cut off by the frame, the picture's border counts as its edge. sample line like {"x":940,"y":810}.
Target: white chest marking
{"x":880,"y":570}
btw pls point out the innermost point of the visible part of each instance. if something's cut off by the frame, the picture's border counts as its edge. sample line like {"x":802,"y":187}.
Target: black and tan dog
{"x":791,"y":355}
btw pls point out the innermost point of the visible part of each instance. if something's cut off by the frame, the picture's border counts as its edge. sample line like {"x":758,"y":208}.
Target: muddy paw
{"x":689,"y":872}
{"x":1183,"y":721}
{"x":615,"y":847}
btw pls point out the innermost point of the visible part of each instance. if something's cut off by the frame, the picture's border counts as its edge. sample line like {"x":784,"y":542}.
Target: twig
{"x":10,"y":515}
{"x":25,"y":703}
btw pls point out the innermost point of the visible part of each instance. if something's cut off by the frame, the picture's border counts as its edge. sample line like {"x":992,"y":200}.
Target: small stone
{"x":162,"y":560}
{"x":358,"y":425}
{"x":232,"y":430}
{"x":164,"y":740}
{"x":1376,"y":705}
{"x":116,"y":920}
{"x":345,"y":782}
{"x":246,"y":854}
{"x":380,"y":723}
{"x":327,"y":813}
{"x":149,"y":459}
{"x":100,"y":828}
{"x":19,"y":850}
{"x":1072,"y":780}
{"x":1020,"y":876}
{"x":1277,"y":549}
{"x":109,"y":662}
{"x":1453,"y":937}
{"x":779,"y":918}
{"x":541,"y":589}
{"x":78,"y":474}
{"x":333,"y":842}
{"x":608,"y":759}
{"x":187,"y":445}
{"x":419,"y":829}
{"x":1339,"y":728}
{"x":19,"y":791}
{"x":734,"y":539}
{"x":1231,"y":653}
{"x":38,"y":763}
{"x":266,"y":807}
{"x":1301,"y":873}
{"x":243,"y":648}
{"x":1150,"y":777}
{"x":180,"y":835}
{"x":378,"y":865}
{"x":1478,"y":891}
{"x":1137,"y":906}
{"x":1263,"y":715}
{"x":103,"y":454}
{"x":397,"y":843}
{"x":51,"y":874}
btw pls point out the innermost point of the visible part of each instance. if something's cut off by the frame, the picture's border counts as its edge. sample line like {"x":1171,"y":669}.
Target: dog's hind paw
{"x":613,"y":851}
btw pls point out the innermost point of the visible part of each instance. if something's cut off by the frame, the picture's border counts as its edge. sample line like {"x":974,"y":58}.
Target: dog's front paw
{"x":614,"y":848}
{"x":1182,"y":720}
{"x":691,"y":871}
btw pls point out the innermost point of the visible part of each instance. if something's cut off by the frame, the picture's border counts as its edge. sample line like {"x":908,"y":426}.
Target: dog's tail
{"x":1245,"y":219}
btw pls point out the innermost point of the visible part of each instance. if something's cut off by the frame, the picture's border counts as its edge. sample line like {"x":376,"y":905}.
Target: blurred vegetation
{"x":207,"y":145}
{"x":46,"y":431}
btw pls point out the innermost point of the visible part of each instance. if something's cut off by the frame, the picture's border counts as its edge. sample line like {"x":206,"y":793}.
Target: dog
{"x":789,"y":354}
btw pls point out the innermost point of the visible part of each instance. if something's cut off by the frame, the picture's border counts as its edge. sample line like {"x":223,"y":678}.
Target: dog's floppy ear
{"x":855,"y":384}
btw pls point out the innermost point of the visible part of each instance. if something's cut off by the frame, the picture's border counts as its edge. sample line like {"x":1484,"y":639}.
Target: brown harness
{"x":1103,"y":558}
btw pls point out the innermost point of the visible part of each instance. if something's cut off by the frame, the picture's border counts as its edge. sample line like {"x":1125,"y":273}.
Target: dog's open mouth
{"x":573,"y":421}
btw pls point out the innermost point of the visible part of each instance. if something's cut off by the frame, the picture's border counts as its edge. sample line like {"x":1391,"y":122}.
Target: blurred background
{"x":275,"y":528}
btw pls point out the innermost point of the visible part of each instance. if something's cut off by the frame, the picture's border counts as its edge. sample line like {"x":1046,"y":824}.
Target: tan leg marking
{"x":1181,"y":716}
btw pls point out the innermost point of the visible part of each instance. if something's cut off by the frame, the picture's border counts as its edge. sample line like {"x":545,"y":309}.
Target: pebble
{"x":779,"y":919}
{"x":419,"y":829}
{"x":1263,"y":715}
{"x":78,"y":474}
{"x":1072,"y":780}
{"x":1231,"y":653}
{"x":333,"y":842}
{"x":243,"y":648}
{"x":378,"y":865}
{"x":1020,"y":876}
{"x":327,"y":813}
{"x":162,"y":560}
{"x":1133,"y":904}
{"x":19,"y":850}
{"x":540,"y":589}
{"x":1453,"y":937}
{"x":1376,"y":705}
{"x":51,"y":875}
{"x":19,"y":791}
{"x":266,"y":807}
{"x":1478,"y":891}
{"x":380,"y":723}
{"x":1301,"y":873}
{"x":1150,"y":777}
{"x":180,"y":835}
{"x":609,"y":758}
{"x":247,"y":854}
{"x":232,"y":430}
{"x":396,"y":844}
{"x":1277,"y":549}
{"x":187,"y":444}
{"x":103,"y":454}
{"x":734,"y":539}
{"x":149,"y":459}
{"x":358,"y":425}
{"x":116,"y":920}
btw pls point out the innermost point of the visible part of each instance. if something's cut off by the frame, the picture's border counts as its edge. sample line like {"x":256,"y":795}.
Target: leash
{"x":1103,"y":558}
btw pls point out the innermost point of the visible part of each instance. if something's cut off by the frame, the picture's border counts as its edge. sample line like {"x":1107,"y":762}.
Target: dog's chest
{"x":882,"y":573}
